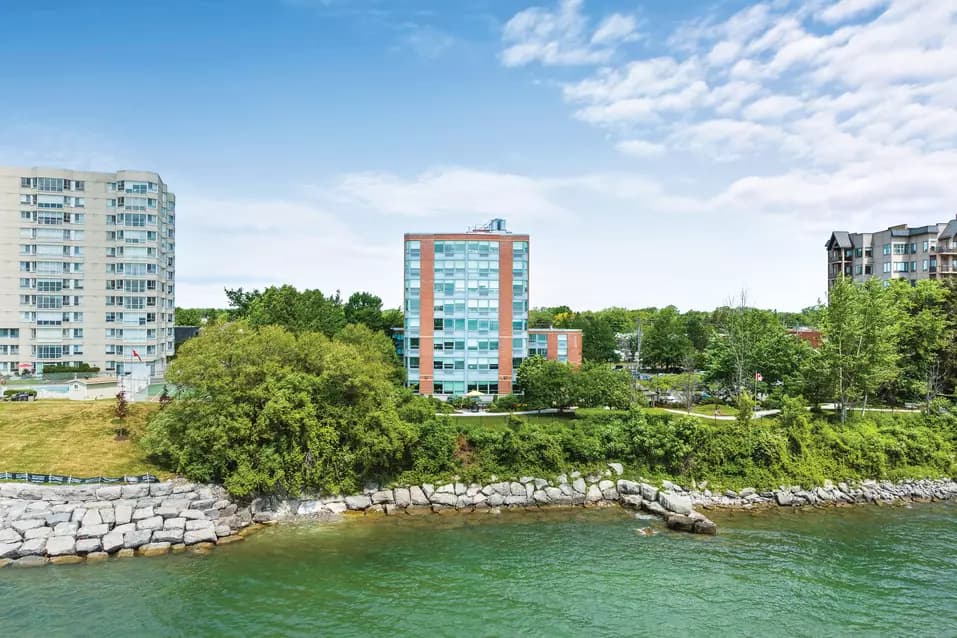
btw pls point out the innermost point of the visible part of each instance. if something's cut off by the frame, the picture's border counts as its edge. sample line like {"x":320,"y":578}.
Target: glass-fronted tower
{"x":466,"y":310}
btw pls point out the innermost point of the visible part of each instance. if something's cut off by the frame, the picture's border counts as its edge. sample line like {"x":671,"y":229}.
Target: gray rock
{"x":594,"y":494}
{"x":29,"y":523}
{"x":176,"y":503}
{"x":576,"y":474}
{"x":402,"y":497}
{"x":78,"y":514}
{"x":8,"y":535}
{"x":112,"y":541}
{"x":128,"y":527}
{"x":382,"y":496}
{"x":92,"y":517}
{"x":460,"y":489}
{"x":93,"y":531}
{"x":336,"y":507}
{"x":139,"y":490}
{"x":579,"y":485}
{"x":31,"y":561}
{"x":648,"y":492}
{"x":155,"y":522}
{"x":705,"y":526}
{"x":87,"y":545}
{"x":628,"y":487}
{"x":428,"y":489}
{"x":174,"y":523}
{"x":611,"y":494}
{"x":124,"y":514}
{"x":356,"y":503}
{"x":32,"y":547}
{"x":746,"y":492}
{"x":109,"y":492}
{"x":59,"y":517}
{"x":553,"y":493}
{"x":107,"y":515}
{"x":223,"y":530}
{"x":9,"y":550}
{"x":142,"y":513}
{"x":166,"y":511}
{"x":653,"y":507}
{"x":61,"y":545}
{"x":514,"y":499}
{"x":132,"y":540}
{"x":202,"y":504}
{"x":199,"y":536}
{"x":37,"y":532}
{"x":444,"y":498}
{"x":541,"y":497}
{"x":195,"y":514}
{"x":463,"y":501}
{"x":784,"y":498}
{"x":161,"y":489}
{"x":605,"y":485}
{"x":168,"y":536}
{"x":529,"y":490}
{"x":182,"y":488}
{"x":617,"y":468}
{"x":66,"y":529}
{"x":195,"y":525}
{"x":631,"y":500}
{"x":677,"y":503}
{"x":448,"y":488}
{"x":516,"y":489}
{"x":495,"y":500}
{"x":540,"y":484}
{"x":418,"y":496}
{"x":680,"y":522}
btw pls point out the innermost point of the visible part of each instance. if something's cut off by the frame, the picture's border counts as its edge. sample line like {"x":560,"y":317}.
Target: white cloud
{"x":773,"y":107}
{"x":640,"y":148}
{"x":846,"y":9}
{"x":561,"y":36}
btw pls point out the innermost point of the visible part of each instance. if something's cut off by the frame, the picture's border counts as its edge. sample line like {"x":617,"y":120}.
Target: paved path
{"x":721,"y":417}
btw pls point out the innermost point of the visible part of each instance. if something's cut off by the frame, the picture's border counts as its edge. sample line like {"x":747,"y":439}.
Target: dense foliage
{"x":553,"y":384}
{"x":269,"y":410}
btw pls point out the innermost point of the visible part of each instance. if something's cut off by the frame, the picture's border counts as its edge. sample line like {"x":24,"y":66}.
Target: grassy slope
{"x":71,"y":437}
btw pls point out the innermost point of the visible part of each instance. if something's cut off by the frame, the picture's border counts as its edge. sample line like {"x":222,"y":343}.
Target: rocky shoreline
{"x":72,"y":524}
{"x":42,"y":524}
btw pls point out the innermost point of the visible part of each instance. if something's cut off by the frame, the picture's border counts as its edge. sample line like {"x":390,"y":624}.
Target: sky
{"x":656,"y":152}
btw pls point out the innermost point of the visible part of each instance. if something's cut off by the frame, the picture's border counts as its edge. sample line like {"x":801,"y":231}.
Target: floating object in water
{"x":646,"y":531}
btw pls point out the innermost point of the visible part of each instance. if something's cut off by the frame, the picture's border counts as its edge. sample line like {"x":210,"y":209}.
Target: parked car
{"x":21,"y":396}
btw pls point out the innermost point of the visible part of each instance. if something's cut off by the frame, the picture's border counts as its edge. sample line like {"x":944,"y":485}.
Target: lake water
{"x":866,"y":571}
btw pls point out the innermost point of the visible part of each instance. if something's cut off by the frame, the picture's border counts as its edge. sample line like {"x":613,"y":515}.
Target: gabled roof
{"x":840,"y":238}
{"x":950,"y":231}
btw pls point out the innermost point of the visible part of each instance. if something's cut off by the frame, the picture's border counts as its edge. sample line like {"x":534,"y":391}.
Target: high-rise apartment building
{"x":86,"y":269}
{"x":900,"y":252}
{"x":466,"y":312}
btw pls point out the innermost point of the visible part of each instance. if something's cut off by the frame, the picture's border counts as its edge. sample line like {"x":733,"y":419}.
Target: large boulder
{"x":402,"y":497}
{"x":195,"y":525}
{"x":784,"y":497}
{"x":143,"y":513}
{"x":358,"y":502}
{"x":123,"y":514}
{"x":92,"y":517}
{"x":93,"y":531}
{"x":32,"y":547}
{"x":648,"y":492}
{"x":594,"y":494}
{"x":9,"y":550}
{"x":705,"y":526}
{"x":579,"y":485}
{"x":154,"y":522}
{"x":168,"y":536}
{"x":112,"y":541}
{"x":382,"y":496}
{"x":29,"y":523}
{"x":8,"y":535}
{"x":677,"y":503}
{"x":61,"y":545}
{"x":445,"y":498}
{"x":680,"y":522}
{"x":631,"y":500}
{"x":132,"y":540}
{"x":140,"y":490}
{"x":206,"y":535}
{"x":417,"y":496}
{"x":87,"y":545}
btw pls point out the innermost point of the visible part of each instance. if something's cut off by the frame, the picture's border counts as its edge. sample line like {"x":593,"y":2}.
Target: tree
{"x":268,"y":410}
{"x":921,"y":337}
{"x":546,"y":384}
{"x":306,"y":311}
{"x":165,"y":399}
{"x":240,"y":301}
{"x":664,"y":342}
{"x":366,"y":309}
{"x":598,"y":336}
{"x":121,"y":410}
{"x":599,"y":386}
{"x":859,"y":326}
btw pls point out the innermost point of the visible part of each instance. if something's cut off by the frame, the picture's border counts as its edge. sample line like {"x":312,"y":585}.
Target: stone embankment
{"x":525,"y":493}
{"x":69,"y":524}
{"x":842,"y":493}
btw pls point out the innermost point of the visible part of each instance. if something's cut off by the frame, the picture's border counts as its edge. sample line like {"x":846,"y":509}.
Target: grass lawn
{"x":708,"y":410}
{"x":501,"y":419}
{"x":77,"y":438}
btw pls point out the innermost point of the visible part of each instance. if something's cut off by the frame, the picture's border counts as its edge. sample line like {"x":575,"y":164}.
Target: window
{"x":924,"y":246}
{"x":860,"y":269}
{"x":858,"y":252}
{"x":887,"y":266}
{"x":925,"y":263}
{"x":886,"y":249}
{"x":868,"y":252}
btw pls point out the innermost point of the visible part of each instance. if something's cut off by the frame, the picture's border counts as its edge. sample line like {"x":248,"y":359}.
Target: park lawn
{"x":707,"y":409}
{"x":74,"y":438}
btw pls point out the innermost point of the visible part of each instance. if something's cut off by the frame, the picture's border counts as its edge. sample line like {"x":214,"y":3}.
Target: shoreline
{"x":42,"y":525}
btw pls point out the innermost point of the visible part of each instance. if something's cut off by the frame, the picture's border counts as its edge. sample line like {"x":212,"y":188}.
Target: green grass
{"x":708,"y":410}
{"x":77,"y":438}
{"x":494,"y":420}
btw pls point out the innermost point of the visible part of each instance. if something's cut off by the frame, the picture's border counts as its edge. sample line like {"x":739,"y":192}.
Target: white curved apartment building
{"x":87,"y":269}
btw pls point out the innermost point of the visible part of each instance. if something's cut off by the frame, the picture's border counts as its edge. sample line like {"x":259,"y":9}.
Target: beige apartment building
{"x":900,"y":252}
{"x":87,"y":270}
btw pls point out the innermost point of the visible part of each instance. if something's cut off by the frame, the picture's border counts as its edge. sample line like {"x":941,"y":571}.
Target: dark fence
{"x":59,"y":479}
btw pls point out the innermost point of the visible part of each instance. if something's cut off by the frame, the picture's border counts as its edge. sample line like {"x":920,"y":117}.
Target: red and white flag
{"x":757,"y":376}
{"x":137,"y":355}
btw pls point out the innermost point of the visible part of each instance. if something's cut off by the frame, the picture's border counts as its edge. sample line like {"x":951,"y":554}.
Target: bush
{"x":9,"y":393}
{"x":65,"y":368}
{"x":507,"y":403}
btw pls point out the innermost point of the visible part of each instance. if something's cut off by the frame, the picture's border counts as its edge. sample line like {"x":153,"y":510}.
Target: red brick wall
{"x":505,"y":254}
{"x":574,"y":344}
{"x":427,"y":317}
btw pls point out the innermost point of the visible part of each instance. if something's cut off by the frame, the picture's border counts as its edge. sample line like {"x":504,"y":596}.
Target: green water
{"x":858,"y":571}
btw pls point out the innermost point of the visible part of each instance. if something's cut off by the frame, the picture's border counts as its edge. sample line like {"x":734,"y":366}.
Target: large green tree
{"x":665,"y":343}
{"x":860,"y":330}
{"x":267,"y":410}
{"x":366,"y":309}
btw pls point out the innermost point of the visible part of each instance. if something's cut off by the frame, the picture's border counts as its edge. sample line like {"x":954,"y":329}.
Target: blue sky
{"x":657,"y":152}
